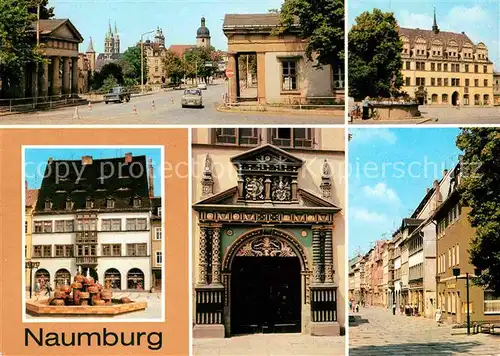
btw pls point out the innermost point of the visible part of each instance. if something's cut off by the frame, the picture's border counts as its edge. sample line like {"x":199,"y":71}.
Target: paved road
{"x":167,"y":112}
{"x":445,"y":116}
{"x":271,"y":344}
{"x":378,"y":332}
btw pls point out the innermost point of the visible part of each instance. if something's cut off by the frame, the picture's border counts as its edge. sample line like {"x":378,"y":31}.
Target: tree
{"x":17,"y":46}
{"x":480,"y":190}
{"x":375,"y":56}
{"x":130,"y":62}
{"x":174,"y":66}
{"x":46,"y":12}
{"x":109,"y":83}
{"x":322,"y":23}
{"x":110,"y":69}
{"x":196,"y":58}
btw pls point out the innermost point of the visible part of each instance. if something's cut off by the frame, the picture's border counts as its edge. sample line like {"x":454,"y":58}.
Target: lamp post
{"x":142,"y":60}
{"x":456,"y":273}
{"x":31,"y":265}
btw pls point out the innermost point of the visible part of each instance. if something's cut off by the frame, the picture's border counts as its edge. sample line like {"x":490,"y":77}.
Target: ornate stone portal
{"x":267,"y":175}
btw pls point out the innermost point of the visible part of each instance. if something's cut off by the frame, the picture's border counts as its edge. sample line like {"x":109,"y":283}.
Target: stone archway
{"x":454,"y":98}
{"x":263,"y":275}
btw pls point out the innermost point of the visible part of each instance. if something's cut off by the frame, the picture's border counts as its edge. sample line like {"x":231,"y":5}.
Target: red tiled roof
{"x":429,"y":36}
{"x":180,"y":49}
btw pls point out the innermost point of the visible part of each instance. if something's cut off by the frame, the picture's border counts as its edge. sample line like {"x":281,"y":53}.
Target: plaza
{"x":375,"y":331}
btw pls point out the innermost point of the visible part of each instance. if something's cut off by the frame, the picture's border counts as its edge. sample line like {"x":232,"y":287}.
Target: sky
{"x":479,"y":19}
{"x":390,"y":170}
{"x":36,"y":160}
{"x":179,"y":19}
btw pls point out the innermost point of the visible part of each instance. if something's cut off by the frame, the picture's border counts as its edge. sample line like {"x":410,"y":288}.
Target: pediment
{"x":66,"y":31}
{"x":267,"y":158}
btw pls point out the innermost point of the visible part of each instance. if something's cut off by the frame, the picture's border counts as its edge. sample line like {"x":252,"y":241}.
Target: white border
{"x":190,"y":237}
{"x":91,"y":319}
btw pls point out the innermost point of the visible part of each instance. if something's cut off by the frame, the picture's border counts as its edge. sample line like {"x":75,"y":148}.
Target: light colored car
{"x":202,"y":86}
{"x":192,"y":98}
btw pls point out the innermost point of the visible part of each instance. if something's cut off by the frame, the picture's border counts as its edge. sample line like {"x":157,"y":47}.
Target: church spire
{"x":91,"y":46}
{"x":116,"y":30}
{"x":435,"y":27}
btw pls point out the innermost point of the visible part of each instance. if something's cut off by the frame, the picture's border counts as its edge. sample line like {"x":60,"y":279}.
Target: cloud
{"x":367,"y":135}
{"x":381,"y":191}
{"x":364,"y":215}
{"x":412,"y":20}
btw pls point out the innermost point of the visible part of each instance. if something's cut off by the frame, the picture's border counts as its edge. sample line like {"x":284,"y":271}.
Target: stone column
{"x":203,"y":255}
{"x":261,"y":77}
{"x":328,"y":256}
{"x":66,"y":76}
{"x":56,"y":83}
{"x":74,"y":75}
{"x":233,"y":82}
{"x":44,"y":85}
{"x":316,"y":249}
{"x":216,"y":255}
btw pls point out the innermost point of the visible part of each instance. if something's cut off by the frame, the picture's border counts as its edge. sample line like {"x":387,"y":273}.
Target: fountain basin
{"x":42,"y":308}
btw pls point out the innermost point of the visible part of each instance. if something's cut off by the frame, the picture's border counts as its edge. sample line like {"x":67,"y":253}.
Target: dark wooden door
{"x":265,"y":295}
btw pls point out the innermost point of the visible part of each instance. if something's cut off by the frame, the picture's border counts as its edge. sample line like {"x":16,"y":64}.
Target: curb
{"x":293,"y":112}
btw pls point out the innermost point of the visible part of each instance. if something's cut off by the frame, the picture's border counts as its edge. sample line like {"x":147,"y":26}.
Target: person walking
{"x":366,"y":108}
{"x":393,"y":308}
{"x":458,"y":104}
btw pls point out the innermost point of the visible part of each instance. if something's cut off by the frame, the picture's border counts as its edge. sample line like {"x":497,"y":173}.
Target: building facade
{"x":454,"y":234}
{"x":283,"y":71}
{"x":445,"y":68}
{"x":203,"y":35}
{"x":496,"y":88}
{"x":30,"y":198}
{"x":268,"y":231}
{"x":156,"y":243}
{"x":100,"y":225}
{"x":111,"y":49}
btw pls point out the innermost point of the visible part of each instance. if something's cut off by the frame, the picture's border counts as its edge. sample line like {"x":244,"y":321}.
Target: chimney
{"x":86,"y":160}
{"x":445,"y":172}
{"x":151,"y":179}
{"x":128,"y":157}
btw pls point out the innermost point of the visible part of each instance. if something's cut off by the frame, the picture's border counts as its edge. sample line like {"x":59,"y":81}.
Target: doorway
{"x":265,"y":295}
{"x":454,"y":99}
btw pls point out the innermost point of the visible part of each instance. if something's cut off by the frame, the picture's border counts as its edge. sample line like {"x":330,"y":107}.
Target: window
{"x":439,"y":81}
{"x":137,"y":249}
{"x":485,"y":69}
{"x":110,"y":203}
{"x":476,"y":82}
{"x":476,"y":69}
{"x":229,"y":136}
{"x":111,"y":249}
{"x":136,"y":224}
{"x":37,"y":251}
{"x":64,"y":226}
{"x":89,"y":204}
{"x":420,"y":81}
{"x":445,"y":67}
{"x":69,"y":205}
{"x":445,"y":82}
{"x":433,"y":81}
{"x":491,"y":303}
{"x":457,"y":253}
{"x":86,"y":225}
{"x":48,"y":205}
{"x":439,"y":67}
{"x":157,"y":233}
{"x":64,"y":250}
{"x":433,"y":66}
{"x":26,"y":227}
{"x":289,"y":75}
{"x":47,"y":226}
{"x":466,"y":82}
{"x":486,"y":82}
{"x":467,"y":68}
{"x":159,"y":259}
{"x":407,"y":81}
{"x":137,"y":202}
{"x":47,"y":251}
{"x":298,"y":138}
{"x":158,"y":212}
{"x":407,"y":64}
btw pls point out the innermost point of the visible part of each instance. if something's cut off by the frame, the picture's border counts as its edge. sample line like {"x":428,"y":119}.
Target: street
{"x":377,"y":332}
{"x":271,"y":344}
{"x":167,"y":111}
{"x":153,"y":310}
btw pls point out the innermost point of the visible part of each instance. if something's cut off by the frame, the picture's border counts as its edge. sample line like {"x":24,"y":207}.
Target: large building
{"x":156,"y":243}
{"x":203,"y":35}
{"x":30,"y":198}
{"x":445,"y":68}
{"x":111,"y":48}
{"x":268,"y":231}
{"x":496,"y":88}
{"x":94,"y":215}
{"x":284,"y":74}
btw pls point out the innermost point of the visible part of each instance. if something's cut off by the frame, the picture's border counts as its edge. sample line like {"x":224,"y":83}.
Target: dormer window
{"x":89,"y":204}
{"x":48,"y":205}
{"x":110,"y":203}
{"x":137,"y":202}
{"x":159,"y":212}
{"x":69,"y":204}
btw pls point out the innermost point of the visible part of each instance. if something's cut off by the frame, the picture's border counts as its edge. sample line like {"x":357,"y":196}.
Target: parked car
{"x":192,"y":98}
{"x":117,"y":94}
{"x":202,"y":86}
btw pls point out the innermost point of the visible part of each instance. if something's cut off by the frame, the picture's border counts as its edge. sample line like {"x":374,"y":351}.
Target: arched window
{"x":444,"y":98}
{"x":135,"y":279}
{"x":434,"y":98}
{"x":112,"y":279}
{"x":43,"y":277}
{"x":62,"y":277}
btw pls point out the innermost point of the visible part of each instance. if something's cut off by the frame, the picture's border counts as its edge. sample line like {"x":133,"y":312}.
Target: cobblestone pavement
{"x":270,"y":345}
{"x":376,"y":331}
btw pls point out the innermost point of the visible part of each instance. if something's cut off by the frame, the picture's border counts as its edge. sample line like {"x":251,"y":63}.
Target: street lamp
{"x":142,"y":60}
{"x":31,"y":265}
{"x":456,"y":273}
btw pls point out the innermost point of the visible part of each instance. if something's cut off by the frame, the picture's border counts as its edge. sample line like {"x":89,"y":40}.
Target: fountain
{"x":83,"y":297}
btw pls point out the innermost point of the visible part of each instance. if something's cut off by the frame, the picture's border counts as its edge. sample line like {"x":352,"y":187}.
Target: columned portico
{"x":56,"y":81}
{"x":74,"y":75}
{"x":66,"y":76}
